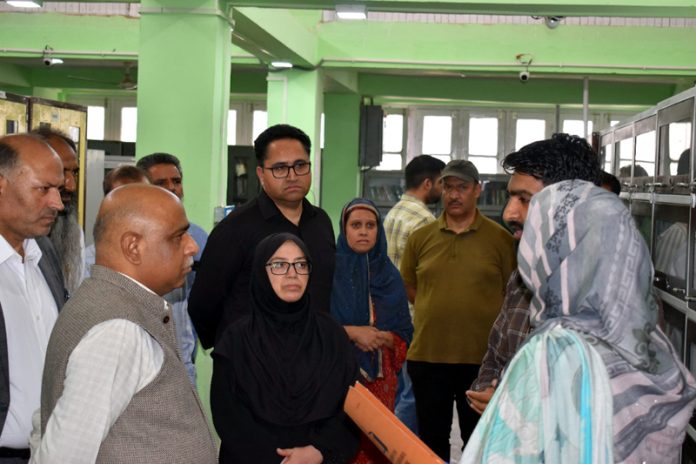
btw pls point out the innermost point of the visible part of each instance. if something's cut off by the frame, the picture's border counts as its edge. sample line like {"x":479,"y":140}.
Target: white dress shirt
{"x":113,"y":361}
{"x":30,"y":312}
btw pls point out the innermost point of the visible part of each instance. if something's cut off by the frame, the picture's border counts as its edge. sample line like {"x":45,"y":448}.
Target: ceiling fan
{"x":126,"y":83}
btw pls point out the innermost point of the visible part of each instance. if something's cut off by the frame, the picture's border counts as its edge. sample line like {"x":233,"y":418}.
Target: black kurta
{"x":281,"y":374}
{"x":248,"y":439}
{"x":220,"y":293}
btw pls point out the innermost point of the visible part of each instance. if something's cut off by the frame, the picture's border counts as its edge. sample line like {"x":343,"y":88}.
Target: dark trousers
{"x":437,"y":387}
{"x":13,"y":461}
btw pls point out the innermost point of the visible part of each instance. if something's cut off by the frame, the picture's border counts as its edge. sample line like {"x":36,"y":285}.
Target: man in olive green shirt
{"x":455,"y":270}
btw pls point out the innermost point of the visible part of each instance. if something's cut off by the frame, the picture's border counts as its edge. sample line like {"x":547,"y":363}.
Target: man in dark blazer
{"x":31,"y":283}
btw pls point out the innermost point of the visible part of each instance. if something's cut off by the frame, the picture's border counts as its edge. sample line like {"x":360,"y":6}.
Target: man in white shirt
{"x":31,"y":284}
{"x":115,"y":388}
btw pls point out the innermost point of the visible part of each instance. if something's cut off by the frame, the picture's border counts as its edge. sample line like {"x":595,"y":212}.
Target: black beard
{"x":69,"y":207}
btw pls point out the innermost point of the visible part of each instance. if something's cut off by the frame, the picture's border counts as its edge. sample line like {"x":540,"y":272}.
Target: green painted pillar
{"x":183,"y":99}
{"x":340,"y":178}
{"x":183,"y":95}
{"x":296,"y":97}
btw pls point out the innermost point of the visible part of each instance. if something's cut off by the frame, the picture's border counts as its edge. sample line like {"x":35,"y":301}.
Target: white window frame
{"x":404,"y":134}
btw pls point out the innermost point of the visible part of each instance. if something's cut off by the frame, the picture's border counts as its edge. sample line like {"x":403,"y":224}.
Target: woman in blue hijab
{"x":369,"y":300}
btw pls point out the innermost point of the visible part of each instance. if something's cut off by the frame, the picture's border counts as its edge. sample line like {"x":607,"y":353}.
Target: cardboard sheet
{"x":387,"y":432}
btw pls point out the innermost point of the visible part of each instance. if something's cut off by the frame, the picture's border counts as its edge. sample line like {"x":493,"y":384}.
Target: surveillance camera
{"x":524,"y":76}
{"x":552,"y":22}
{"x":49,"y":61}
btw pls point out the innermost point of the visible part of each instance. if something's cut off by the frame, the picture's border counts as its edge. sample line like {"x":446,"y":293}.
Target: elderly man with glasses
{"x":220,"y":294}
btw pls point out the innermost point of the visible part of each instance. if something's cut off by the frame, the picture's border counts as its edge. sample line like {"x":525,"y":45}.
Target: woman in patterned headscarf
{"x":598,"y":381}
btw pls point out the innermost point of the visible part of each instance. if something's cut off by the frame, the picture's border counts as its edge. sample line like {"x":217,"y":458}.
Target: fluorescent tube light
{"x":281,"y":64}
{"x":351,"y":12}
{"x":25,"y":4}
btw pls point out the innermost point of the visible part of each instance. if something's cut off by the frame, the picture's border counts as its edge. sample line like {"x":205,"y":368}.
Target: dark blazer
{"x":50,"y":268}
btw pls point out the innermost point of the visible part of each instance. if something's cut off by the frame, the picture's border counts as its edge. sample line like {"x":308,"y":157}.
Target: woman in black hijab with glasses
{"x":281,"y":374}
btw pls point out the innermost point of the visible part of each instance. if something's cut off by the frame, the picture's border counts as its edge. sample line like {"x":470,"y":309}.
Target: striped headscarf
{"x":590,"y":271}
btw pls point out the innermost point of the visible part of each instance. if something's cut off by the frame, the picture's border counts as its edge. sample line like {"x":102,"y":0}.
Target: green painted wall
{"x":493,"y":48}
{"x":107,"y":36}
{"x":340,"y":177}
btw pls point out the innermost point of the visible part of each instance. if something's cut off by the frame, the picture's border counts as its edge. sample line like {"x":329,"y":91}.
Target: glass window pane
{"x":528,"y":131}
{"x":577,"y":127}
{"x":483,"y":136}
{"x":129,"y":124}
{"x":437,"y":135}
{"x":393,"y":135}
{"x":608,"y":157}
{"x":95,"y":122}
{"x":444,"y":158}
{"x":390,"y":162}
{"x":321,"y":131}
{"x":232,"y":127}
{"x":485,"y":164}
{"x":645,"y":155}
{"x":679,"y":145}
{"x":259,"y":123}
{"x":625,"y":152}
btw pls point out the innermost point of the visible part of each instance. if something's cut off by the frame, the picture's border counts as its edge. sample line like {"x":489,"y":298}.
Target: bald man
{"x":66,"y":234}
{"x":31,"y":284}
{"x":114,"y":388}
{"x":117,"y":177}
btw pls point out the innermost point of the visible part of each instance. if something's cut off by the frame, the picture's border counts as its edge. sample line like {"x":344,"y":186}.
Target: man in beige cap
{"x":454,"y":270}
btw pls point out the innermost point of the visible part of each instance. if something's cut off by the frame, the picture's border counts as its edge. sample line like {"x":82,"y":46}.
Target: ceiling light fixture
{"x":25,"y":4}
{"x":351,"y":12}
{"x":281,"y":64}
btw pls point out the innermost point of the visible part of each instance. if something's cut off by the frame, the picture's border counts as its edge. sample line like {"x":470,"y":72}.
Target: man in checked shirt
{"x":533,"y":167}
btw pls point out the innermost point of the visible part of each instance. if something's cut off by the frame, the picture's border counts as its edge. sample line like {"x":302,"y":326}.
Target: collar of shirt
{"x":478,"y":220}
{"x":165,"y":302}
{"x":269,"y":209}
{"x":415,"y":200}
{"x":407,"y":197}
{"x":32,"y":252}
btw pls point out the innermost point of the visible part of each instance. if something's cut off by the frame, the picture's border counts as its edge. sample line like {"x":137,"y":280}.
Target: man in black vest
{"x":31,"y":283}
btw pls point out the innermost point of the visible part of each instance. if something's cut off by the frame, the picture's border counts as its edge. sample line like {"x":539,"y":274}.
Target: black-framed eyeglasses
{"x":282,"y":267}
{"x":281,"y":171}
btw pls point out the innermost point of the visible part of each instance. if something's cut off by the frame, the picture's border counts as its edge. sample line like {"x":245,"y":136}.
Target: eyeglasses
{"x":281,"y":171}
{"x":282,"y":267}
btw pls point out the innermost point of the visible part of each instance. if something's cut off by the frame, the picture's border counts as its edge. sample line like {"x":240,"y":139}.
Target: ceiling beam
{"x":275,"y":35}
{"x":536,"y":91}
{"x":615,"y":8}
{"x":619,"y":8}
{"x":508,"y":48}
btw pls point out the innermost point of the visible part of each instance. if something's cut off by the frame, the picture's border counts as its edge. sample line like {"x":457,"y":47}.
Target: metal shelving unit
{"x":652,"y":156}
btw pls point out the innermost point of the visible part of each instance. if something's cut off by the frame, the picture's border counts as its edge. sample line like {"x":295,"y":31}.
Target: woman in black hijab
{"x":281,"y":374}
